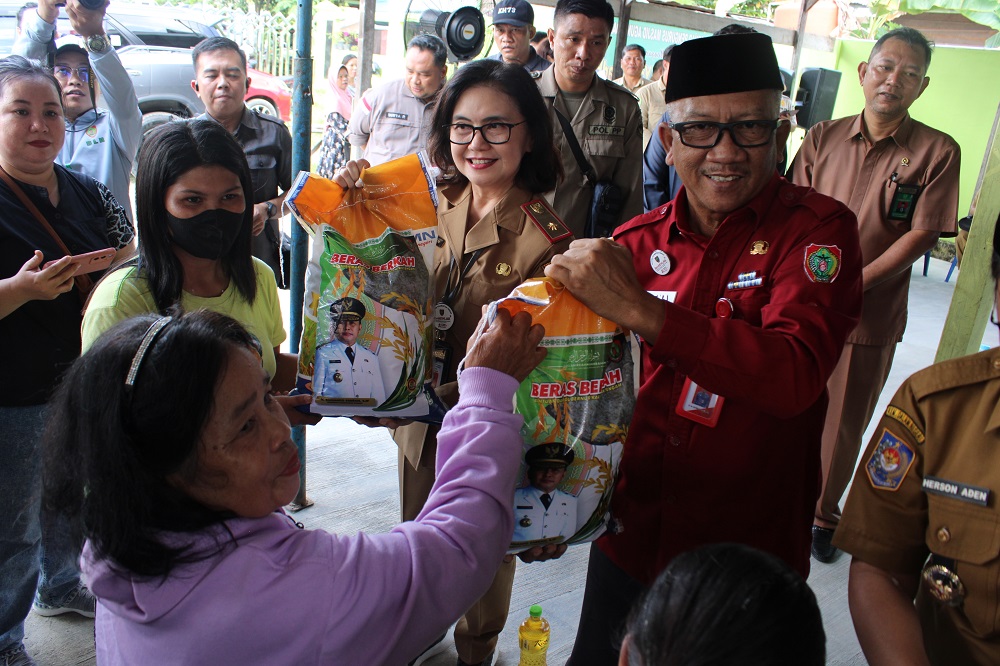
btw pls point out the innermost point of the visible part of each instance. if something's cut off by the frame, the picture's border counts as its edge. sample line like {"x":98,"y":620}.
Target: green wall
{"x":962,"y":97}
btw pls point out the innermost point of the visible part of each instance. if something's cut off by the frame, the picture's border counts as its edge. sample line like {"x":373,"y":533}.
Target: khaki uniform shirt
{"x":642,"y":83}
{"x":928,"y":484}
{"x":515,"y":250}
{"x":609,"y":129}
{"x":389,"y":122}
{"x":871,"y":179}
{"x":652,"y":106}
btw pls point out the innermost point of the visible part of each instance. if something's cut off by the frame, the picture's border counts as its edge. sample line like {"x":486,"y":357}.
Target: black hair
{"x":667,"y":52}
{"x":25,"y":7}
{"x":348,"y":58}
{"x":109,"y":449}
{"x":734,"y":29}
{"x":217,"y":44}
{"x":539,"y":36}
{"x":16,"y":68}
{"x":540,"y":168}
{"x":433,"y":44}
{"x":634,"y":47}
{"x":594,"y":9}
{"x":913,"y":38}
{"x":657,"y":66}
{"x":169,"y":152}
{"x":727,"y":604}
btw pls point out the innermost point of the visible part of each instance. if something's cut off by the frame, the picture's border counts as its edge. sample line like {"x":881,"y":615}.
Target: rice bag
{"x":577,"y":406}
{"x":367,"y":330}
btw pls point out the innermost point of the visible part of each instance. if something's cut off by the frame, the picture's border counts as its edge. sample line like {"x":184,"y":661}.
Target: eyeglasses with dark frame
{"x":462,"y":134}
{"x":744,"y":133}
{"x":63,"y":72}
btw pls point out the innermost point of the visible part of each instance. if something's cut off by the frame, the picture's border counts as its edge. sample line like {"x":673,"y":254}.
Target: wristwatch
{"x":98,"y":43}
{"x":271,"y":210}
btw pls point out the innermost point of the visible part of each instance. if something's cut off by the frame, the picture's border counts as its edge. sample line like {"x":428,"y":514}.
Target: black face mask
{"x":207,"y":235}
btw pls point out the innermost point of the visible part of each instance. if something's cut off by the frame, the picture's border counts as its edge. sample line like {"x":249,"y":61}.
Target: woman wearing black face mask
{"x":194,"y":214}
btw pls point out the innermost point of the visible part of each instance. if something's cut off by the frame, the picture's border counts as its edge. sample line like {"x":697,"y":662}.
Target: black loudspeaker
{"x":463,"y":30}
{"x":816,"y":96}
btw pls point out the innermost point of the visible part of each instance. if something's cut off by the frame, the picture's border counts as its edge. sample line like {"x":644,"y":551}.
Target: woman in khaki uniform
{"x":921,"y":519}
{"x":492,"y":138}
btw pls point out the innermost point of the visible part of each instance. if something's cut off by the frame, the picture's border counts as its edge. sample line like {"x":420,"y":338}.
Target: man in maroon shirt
{"x":742,"y":290}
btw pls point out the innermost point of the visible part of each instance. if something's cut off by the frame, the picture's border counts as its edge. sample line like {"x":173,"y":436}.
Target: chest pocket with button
{"x":970,"y":535}
{"x":264,"y":175}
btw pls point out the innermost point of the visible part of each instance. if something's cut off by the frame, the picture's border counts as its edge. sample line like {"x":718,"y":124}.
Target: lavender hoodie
{"x":285,"y":595}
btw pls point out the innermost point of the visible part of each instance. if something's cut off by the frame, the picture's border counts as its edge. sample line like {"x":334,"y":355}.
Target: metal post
{"x":621,"y":37}
{"x":302,"y":99}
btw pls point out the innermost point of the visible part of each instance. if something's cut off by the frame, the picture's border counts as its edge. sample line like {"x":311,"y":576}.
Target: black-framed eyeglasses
{"x":496,"y":133}
{"x":744,"y":133}
{"x":63,"y":72}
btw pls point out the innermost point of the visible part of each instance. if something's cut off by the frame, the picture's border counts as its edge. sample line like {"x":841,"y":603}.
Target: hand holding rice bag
{"x":577,"y":405}
{"x":367,"y":317}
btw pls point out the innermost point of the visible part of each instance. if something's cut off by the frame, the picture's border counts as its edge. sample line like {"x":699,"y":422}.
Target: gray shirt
{"x":390,"y":122}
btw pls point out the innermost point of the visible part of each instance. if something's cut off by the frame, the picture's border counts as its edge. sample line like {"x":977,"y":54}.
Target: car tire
{"x":263,"y":106}
{"x":150,"y":121}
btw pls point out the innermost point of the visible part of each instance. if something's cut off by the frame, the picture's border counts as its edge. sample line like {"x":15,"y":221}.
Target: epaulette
{"x":271,"y":119}
{"x":654,"y":216}
{"x":546,"y":220}
{"x":823,"y":206}
{"x":956,"y":372}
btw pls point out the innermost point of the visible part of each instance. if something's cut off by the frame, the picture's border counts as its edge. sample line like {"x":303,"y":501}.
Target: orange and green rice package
{"x":577,"y":406}
{"x":367,"y":319}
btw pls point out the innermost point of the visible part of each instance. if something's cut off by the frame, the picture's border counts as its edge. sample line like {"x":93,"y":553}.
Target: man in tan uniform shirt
{"x":633,"y":62}
{"x":605,"y":118}
{"x":900,"y":177}
{"x":651,"y":101}
{"x":926,"y":487}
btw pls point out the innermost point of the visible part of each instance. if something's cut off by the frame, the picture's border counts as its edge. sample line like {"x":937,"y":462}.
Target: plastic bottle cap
{"x":535,"y":611}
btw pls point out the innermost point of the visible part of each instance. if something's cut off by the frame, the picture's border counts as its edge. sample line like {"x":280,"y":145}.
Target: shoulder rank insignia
{"x":822,"y":262}
{"x":889,"y":462}
{"x":546,"y":220}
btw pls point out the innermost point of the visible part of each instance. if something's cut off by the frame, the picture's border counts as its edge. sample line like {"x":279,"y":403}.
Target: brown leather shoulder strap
{"x":83,"y":282}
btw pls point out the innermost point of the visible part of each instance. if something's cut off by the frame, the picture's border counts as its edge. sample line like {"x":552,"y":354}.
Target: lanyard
{"x":451,"y":291}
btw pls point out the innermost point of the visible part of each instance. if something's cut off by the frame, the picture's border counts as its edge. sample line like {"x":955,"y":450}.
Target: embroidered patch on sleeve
{"x":904,"y":418}
{"x":889,"y":462}
{"x":822,"y":262}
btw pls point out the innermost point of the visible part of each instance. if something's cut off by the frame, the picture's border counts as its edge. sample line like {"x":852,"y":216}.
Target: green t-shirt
{"x":124,"y":294}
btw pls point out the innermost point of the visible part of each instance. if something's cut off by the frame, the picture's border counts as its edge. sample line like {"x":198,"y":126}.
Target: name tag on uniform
{"x":668,"y":296}
{"x":904,"y":201}
{"x":395,"y":115}
{"x":606,"y":130}
{"x":960,"y":491}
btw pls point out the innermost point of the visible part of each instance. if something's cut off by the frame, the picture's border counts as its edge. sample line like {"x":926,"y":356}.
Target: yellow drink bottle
{"x":533,"y":636}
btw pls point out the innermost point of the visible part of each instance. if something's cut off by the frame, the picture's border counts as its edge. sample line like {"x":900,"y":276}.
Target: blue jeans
{"x":30,"y":556}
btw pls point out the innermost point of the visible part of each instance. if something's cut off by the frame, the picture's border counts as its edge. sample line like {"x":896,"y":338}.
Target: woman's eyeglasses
{"x":495,"y":133}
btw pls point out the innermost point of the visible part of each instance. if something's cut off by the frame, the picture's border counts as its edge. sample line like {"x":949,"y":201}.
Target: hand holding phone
{"x":89,"y":262}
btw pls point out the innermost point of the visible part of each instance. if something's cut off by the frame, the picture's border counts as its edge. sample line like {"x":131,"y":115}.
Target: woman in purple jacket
{"x":166,"y":438}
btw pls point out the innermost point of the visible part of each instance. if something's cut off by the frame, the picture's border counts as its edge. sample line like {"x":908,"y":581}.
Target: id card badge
{"x":699,"y":405}
{"x":442,"y":361}
{"x":904,"y":201}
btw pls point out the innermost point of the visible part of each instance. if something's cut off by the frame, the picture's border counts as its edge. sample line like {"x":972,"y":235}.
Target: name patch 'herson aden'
{"x":956,"y":490}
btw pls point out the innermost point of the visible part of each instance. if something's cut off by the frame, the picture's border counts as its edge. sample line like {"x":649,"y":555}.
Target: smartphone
{"x":89,"y":262}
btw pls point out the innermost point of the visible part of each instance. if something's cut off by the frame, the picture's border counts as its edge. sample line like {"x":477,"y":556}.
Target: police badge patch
{"x":822,"y":262}
{"x":889,"y":462}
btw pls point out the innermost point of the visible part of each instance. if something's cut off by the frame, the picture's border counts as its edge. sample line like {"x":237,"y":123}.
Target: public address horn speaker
{"x":462,"y":29}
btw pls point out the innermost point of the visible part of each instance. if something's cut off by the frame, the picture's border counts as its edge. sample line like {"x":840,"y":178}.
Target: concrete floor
{"x":352,"y":480}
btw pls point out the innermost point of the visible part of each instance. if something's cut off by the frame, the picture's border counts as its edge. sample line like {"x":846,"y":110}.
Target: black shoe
{"x":485,"y":662}
{"x":432,"y":650}
{"x":822,"y":547}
